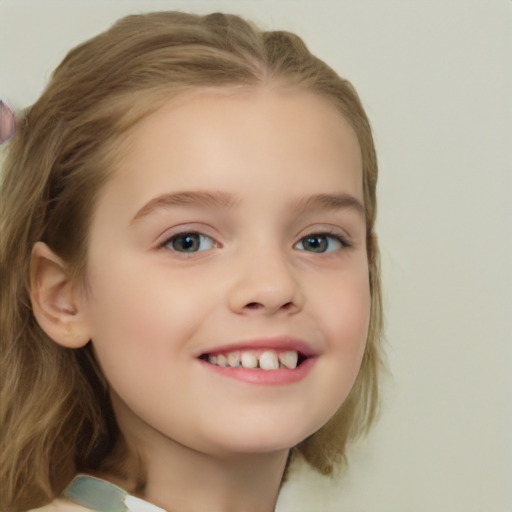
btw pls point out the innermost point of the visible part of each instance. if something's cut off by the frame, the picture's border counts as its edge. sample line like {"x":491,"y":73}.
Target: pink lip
{"x":281,"y":376}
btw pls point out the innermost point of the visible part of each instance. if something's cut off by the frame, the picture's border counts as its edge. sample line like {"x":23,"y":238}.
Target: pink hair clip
{"x":7,"y":123}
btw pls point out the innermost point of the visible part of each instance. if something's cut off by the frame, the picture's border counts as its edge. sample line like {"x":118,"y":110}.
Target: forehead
{"x":221,"y":138}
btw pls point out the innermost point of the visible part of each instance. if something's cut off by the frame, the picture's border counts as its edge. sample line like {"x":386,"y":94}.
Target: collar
{"x":102,"y":496}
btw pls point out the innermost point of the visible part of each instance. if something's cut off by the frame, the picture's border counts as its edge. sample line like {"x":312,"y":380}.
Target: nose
{"x":265,"y":283}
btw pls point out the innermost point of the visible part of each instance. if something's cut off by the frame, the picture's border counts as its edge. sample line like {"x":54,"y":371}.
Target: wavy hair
{"x":56,"y":414}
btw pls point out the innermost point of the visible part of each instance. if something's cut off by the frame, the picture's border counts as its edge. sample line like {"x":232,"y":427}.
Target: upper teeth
{"x":267,"y":360}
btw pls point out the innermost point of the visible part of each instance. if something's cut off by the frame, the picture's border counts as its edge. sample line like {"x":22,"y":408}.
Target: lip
{"x":258,"y":376}
{"x":281,"y":376}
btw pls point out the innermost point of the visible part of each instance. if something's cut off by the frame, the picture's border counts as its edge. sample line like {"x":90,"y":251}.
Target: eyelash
{"x":196,"y":238}
{"x":339,"y":239}
{"x":189,"y":234}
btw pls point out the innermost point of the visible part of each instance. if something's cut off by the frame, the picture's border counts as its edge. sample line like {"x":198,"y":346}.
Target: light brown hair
{"x":55,"y":408}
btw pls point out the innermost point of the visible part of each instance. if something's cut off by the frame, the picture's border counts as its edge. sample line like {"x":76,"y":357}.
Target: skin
{"x":151,"y":310}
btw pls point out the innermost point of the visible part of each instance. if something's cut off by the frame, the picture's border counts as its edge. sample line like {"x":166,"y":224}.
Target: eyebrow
{"x":187,"y":198}
{"x":331,"y":202}
{"x":227,"y":201}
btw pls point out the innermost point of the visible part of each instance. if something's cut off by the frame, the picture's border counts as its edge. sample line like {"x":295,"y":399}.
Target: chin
{"x":261,"y":441}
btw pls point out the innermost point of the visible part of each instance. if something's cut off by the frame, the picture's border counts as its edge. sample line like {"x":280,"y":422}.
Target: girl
{"x":190,"y":281}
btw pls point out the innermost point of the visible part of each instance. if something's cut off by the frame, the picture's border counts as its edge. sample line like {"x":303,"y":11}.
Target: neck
{"x":181,"y":479}
{"x":185,"y":481}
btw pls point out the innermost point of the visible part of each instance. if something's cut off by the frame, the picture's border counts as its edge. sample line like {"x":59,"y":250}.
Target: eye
{"x":190,"y":242}
{"x":321,"y":243}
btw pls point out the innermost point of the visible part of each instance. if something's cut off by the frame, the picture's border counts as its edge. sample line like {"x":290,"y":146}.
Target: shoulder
{"x":60,"y":505}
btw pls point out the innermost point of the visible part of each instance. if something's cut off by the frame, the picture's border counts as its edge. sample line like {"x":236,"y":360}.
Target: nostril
{"x":253,"y":305}
{"x":258,"y":305}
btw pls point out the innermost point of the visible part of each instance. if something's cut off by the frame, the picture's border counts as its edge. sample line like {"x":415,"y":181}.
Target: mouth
{"x":257,"y":359}
{"x":275,"y":361}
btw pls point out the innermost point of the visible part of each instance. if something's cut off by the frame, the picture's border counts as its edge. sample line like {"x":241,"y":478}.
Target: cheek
{"x":342,"y":316}
{"x":347,"y":315}
{"x":346,"y":321}
{"x":137,"y":314}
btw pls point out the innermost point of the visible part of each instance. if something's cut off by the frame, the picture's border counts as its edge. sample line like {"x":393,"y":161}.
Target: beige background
{"x":436,"y":79}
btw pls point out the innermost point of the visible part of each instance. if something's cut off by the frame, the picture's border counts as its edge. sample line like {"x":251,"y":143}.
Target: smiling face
{"x":233,"y":231}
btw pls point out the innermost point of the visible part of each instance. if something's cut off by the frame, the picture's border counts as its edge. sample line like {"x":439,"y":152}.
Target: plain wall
{"x":436,"y":80}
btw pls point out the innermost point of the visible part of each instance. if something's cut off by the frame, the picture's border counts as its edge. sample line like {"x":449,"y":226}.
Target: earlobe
{"x":57,"y":300}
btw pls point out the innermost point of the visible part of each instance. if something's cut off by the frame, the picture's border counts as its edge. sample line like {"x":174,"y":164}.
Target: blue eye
{"x":321,"y":243}
{"x":190,"y":242}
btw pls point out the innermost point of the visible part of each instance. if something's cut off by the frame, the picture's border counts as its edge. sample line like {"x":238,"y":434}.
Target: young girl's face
{"x":233,"y":229}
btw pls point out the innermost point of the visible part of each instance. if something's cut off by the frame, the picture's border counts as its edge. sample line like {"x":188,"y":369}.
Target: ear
{"x":58,"y":303}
